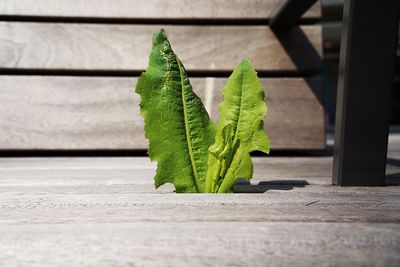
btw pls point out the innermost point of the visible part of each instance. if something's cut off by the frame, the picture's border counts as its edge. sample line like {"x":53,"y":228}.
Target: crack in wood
{"x":311,"y":203}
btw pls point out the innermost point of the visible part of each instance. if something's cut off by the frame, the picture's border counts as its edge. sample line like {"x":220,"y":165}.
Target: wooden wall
{"x":68,"y":68}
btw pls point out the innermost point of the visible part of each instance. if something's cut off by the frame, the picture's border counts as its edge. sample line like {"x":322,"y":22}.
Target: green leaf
{"x":241,"y":114}
{"x":177,"y":125}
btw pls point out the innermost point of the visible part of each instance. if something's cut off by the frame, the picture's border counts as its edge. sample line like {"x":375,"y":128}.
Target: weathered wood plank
{"x":201,"y":244}
{"x":37,"y":185}
{"x":274,"y":198}
{"x":139,"y":171}
{"x":126,"y":47}
{"x":54,"y":184}
{"x":264,"y":178}
{"x":147,"y":9}
{"x":98,"y":212}
{"x":103,"y":113}
{"x":321,"y":204}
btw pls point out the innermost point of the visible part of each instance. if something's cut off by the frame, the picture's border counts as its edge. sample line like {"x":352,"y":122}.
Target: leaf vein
{"x":187,"y":130}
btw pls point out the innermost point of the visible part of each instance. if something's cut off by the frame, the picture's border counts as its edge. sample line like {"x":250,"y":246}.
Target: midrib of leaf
{"x":187,"y":130}
{"x":240,"y":107}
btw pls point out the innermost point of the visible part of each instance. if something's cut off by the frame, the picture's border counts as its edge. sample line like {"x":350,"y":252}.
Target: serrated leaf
{"x":177,"y":125}
{"x":243,"y":110}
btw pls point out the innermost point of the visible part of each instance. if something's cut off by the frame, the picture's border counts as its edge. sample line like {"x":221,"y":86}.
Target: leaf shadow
{"x":244,"y":186}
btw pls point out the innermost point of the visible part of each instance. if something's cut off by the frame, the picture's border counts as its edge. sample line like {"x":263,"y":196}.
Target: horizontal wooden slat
{"x":60,"y":46}
{"x":135,"y":175}
{"x":145,"y":9}
{"x":275,"y":205}
{"x":134,"y":171}
{"x":200,"y":244}
{"x":83,"y":189}
{"x":46,"y":112}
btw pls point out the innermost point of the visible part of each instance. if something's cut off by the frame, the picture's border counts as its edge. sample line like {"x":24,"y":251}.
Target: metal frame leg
{"x":367,"y":55}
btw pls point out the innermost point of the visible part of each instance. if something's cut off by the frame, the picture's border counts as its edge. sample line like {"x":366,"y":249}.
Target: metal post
{"x":367,"y":54}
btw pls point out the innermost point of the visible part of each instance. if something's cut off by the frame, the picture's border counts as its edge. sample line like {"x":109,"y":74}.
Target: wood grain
{"x":133,"y":171}
{"x":148,"y":9}
{"x":200,"y":244}
{"x":84,"y":208}
{"x":321,"y":204}
{"x":62,"y":46}
{"x":42,"y":112}
{"x":119,"y":171}
{"x":103,"y":211}
{"x":79,"y":190}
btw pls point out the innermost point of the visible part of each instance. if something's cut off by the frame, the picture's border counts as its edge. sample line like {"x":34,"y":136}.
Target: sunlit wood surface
{"x":105,"y":212}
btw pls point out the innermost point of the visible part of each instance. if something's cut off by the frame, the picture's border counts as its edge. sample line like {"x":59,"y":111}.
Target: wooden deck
{"x":105,"y":212}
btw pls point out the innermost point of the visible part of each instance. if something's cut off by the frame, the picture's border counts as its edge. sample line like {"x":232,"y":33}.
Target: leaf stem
{"x":216,"y":177}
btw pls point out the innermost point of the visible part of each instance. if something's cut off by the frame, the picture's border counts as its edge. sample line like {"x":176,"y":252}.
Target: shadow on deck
{"x":244,"y":186}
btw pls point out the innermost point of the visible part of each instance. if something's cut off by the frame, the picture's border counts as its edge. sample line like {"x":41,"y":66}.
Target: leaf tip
{"x":159,"y":36}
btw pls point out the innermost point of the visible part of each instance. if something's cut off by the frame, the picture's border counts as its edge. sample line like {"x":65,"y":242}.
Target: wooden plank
{"x":147,"y":9}
{"x":274,"y":198}
{"x":65,"y":188}
{"x":126,"y":167}
{"x":138,"y":171}
{"x":70,"y":207}
{"x":76,"y":183}
{"x":183,"y":244}
{"x":114,"y":47}
{"x":47,"y":112}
